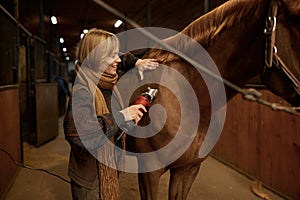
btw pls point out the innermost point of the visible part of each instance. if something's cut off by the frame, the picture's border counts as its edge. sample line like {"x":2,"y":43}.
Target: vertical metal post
{"x":16,"y":9}
{"x":149,"y":13}
{"x":148,"y":18}
{"x":206,"y":6}
{"x":41,"y":16}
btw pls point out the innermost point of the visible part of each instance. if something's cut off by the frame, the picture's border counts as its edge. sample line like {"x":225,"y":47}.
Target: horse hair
{"x":209,"y":26}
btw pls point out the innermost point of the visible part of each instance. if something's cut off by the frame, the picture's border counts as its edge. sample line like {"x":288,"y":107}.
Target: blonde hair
{"x":105,"y":42}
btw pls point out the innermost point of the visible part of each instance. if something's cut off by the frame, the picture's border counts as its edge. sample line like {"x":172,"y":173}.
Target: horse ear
{"x":293,"y":6}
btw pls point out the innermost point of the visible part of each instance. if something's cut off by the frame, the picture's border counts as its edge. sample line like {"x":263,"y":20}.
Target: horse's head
{"x":282,"y":71}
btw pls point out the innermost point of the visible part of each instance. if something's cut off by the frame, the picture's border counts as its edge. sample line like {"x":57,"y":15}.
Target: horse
{"x":244,"y":39}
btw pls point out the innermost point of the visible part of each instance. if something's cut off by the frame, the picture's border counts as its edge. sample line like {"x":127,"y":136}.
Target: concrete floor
{"x":215,"y":181}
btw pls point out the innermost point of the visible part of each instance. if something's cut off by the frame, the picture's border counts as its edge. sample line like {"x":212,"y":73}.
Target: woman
{"x":89,"y":125}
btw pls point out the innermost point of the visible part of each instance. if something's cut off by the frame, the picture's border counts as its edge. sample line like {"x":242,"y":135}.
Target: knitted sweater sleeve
{"x":83,"y":128}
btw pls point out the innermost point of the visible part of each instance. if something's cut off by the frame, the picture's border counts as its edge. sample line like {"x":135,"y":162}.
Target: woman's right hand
{"x":133,"y":112}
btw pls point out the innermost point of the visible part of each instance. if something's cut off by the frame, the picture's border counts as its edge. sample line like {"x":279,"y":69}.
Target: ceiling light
{"x":118,"y":23}
{"x":53,"y":20}
{"x":61,"y":40}
{"x":67,"y":58}
{"x":64,"y":49}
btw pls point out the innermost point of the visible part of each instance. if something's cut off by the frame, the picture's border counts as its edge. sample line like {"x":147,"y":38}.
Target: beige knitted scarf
{"x":108,"y":175}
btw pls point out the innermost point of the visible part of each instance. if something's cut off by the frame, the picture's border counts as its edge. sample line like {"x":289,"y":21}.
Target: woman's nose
{"x":118,"y":59}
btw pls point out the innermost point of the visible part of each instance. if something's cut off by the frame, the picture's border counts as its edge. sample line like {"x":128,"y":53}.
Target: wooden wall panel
{"x":10,"y":139}
{"x":46,"y":107}
{"x":262,"y":143}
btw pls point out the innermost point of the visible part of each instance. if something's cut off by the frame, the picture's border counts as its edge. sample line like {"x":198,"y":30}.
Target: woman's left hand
{"x":146,"y":64}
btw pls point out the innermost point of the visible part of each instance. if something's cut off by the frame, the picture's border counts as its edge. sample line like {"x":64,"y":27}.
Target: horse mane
{"x":209,"y":26}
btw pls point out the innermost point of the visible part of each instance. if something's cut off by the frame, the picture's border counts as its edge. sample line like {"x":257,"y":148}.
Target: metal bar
{"x":206,"y":6}
{"x":149,"y":13}
{"x":41,"y":17}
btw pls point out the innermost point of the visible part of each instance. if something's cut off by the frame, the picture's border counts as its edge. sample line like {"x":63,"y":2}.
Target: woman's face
{"x":111,"y":63}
